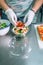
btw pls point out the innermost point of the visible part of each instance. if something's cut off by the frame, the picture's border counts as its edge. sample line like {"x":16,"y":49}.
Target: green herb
{"x":19,"y":31}
{"x":3,"y":25}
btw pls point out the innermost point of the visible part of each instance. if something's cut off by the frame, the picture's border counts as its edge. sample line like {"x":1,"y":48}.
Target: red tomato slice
{"x":19,"y":24}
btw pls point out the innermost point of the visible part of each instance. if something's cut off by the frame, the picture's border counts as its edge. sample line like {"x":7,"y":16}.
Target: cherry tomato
{"x":19,"y":24}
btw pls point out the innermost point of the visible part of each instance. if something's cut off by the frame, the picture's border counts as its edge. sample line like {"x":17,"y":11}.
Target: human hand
{"x":11,"y":16}
{"x":29,"y":17}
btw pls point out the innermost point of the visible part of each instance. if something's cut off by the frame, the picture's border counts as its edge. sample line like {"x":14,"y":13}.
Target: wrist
{"x":8,"y":10}
{"x":33,"y":10}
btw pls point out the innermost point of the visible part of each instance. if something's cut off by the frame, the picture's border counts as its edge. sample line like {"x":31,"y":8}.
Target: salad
{"x":20,"y":24}
{"x":3,"y":25}
{"x":19,"y":31}
{"x":20,"y":28}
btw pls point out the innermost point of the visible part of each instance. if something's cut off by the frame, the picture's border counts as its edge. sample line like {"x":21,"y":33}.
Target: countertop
{"x":35,"y":56}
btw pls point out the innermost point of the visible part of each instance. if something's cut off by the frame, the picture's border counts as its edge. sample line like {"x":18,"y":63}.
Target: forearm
{"x":37,"y":5}
{"x":3,"y":4}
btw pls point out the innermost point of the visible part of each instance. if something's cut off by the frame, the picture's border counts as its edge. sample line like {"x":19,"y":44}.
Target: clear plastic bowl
{"x":19,"y":47}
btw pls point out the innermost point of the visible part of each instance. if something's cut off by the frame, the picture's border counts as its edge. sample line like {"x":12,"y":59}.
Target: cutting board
{"x":40,"y":42}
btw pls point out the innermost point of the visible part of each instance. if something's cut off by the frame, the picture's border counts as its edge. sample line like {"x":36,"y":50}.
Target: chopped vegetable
{"x":20,"y":31}
{"x":40,"y":31}
{"x":20,"y":28}
{"x":3,"y":25}
{"x":19,"y":24}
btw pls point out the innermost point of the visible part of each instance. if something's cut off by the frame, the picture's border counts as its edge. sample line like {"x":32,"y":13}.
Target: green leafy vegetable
{"x":19,"y":31}
{"x":3,"y":25}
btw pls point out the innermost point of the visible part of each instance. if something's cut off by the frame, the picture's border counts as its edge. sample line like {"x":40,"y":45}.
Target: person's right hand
{"x":11,"y":16}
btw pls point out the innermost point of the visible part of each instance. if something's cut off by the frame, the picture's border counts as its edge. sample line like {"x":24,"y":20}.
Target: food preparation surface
{"x":35,"y":56}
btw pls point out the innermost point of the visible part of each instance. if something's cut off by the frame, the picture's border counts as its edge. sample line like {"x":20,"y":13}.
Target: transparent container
{"x":19,"y":47}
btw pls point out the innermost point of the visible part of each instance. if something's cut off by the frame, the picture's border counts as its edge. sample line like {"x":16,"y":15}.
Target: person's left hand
{"x":29,"y":16}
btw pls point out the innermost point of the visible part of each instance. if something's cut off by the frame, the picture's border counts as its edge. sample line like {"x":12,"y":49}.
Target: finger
{"x":15,"y":17}
{"x":13,"y":22}
{"x":24,"y":20}
{"x":28,"y":22}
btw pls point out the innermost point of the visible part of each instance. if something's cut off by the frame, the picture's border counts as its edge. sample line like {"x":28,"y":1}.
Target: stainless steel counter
{"x":35,"y":56}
